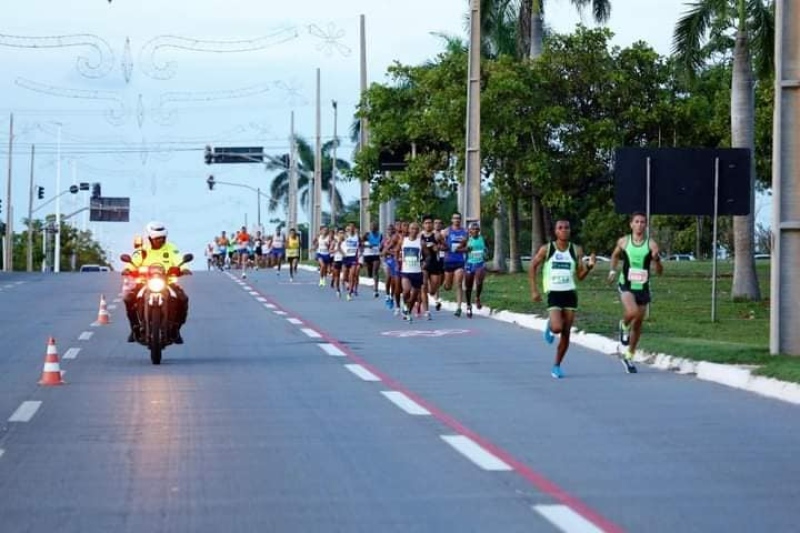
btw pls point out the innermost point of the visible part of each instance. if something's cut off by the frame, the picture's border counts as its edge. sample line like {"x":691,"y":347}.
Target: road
{"x":289,"y":410}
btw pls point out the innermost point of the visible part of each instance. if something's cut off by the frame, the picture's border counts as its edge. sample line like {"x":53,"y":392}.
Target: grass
{"x":680,"y":315}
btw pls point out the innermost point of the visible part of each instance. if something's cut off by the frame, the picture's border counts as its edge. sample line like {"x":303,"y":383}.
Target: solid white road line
{"x":362,"y":372}
{"x":566,"y":519}
{"x":310,"y":332}
{"x":25,"y":412}
{"x":405,"y":403}
{"x":85,"y":336}
{"x":281,"y":313}
{"x":295,"y":321}
{"x":72,"y":353}
{"x":332,"y":350}
{"x":475,"y":453}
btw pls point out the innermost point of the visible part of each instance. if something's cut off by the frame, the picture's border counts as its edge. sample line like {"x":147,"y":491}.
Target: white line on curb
{"x":566,"y":519}
{"x":475,"y":453}
{"x":295,"y":321}
{"x":331,"y":350}
{"x":362,"y":372}
{"x":405,"y":403}
{"x":72,"y":353}
{"x":85,"y":336}
{"x":25,"y":412}
{"x":310,"y":332}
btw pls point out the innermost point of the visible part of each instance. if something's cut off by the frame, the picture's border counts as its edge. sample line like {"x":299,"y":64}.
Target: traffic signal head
{"x":210,"y":182}
{"x":1,"y":205}
{"x":209,"y":155}
{"x":96,"y":190}
{"x":41,"y":193}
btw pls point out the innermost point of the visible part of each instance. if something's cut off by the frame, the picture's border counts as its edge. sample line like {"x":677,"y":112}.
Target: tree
{"x":279,"y":189}
{"x":748,"y":28}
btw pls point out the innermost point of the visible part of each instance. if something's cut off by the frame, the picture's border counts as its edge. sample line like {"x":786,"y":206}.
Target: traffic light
{"x":1,"y":205}
{"x":210,"y":182}
{"x":40,"y":193}
{"x":96,"y":190}
{"x":209,"y":155}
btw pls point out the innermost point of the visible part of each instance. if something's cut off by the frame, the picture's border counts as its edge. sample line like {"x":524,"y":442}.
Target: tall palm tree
{"x":279,"y":189}
{"x":531,"y":44}
{"x":749,"y":27}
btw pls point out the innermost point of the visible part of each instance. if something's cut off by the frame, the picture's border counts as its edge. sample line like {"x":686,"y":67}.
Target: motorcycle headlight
{"x":156,"y":284}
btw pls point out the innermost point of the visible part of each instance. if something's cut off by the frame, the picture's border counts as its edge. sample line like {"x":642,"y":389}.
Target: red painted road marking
{"x":534,"y":478}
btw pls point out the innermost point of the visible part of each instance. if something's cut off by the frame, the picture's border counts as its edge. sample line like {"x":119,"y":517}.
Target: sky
{"x":137,"y":88}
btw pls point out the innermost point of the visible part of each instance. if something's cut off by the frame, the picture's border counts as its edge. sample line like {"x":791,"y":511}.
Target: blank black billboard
{"x":682,"y":180}
{"x":109,"y":209}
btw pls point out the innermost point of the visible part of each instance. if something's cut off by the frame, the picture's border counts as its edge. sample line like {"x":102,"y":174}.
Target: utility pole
{"x":318,"y":164}
{"x":8,"y":258}
{"x":29,"y":259}
{"x":364,"y":134}
{"x":784,"y":336}
{"x":57,"y":247}
{"x":292,"y":178}
{"x":333,"y":165}
{"x":258,"y":212}
{"x":471,"y":208}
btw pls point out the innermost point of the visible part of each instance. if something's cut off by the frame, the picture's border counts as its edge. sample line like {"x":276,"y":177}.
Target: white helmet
{"x":156,"y":230}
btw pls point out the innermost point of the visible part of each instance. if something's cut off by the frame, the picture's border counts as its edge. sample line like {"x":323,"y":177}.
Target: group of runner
{"x":417,"y":259}
{"x":245,"y":251}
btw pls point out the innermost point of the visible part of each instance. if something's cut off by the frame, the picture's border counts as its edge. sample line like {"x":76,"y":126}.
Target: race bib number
{"x":638,"y":275}
{"x":350,"y":250}
{"x":411,"y":261}
{"x":454,"y":247}
{"x":441,"y":254}
{"x":476,"y":257}
{"x":559,"y":279}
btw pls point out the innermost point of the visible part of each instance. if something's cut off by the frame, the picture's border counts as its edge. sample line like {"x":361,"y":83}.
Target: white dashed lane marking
{"x":331,"y":350}
{"x":311,"y":333}
{"x":85,"y":336}
{"x":295,"y":321}
{"x":269,"y":306}
{"x":25,"y":411}
{"x":281,"y":313}
{"x":362,"y":372}
{"x":566,"y":519}
{"x":72,"y":353}
{"x":405,"y":403}
{"x":261,"y":299}
{"x":475,"y":453}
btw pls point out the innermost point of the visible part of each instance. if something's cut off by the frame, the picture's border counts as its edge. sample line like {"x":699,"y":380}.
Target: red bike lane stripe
{"x":534,"y":478}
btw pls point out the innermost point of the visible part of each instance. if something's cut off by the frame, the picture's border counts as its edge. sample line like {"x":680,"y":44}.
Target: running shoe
{"x":321,"y":282}
{"x":627,"y":362}
{"x":244,"y":275}
{"x":458,"y":312}
{"x":376,"y":294}
{"x":548,"y":335}
{"x":349,"y":296}
{"x":478,"y":302}
{"x":556,"y":372}
{"x":624,"y":333}
{"x":438,"y":305}
{"x":339,"y":294}
{"x":469,"y":311}
{"x":428,"y":314}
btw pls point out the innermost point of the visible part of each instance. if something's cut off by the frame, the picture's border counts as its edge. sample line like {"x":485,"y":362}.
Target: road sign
{"x":109,"y":209}
{"x":424,"y":333}
{"x":239,"y":154}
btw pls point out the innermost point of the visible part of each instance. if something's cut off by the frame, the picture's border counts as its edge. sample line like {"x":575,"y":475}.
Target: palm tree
{"x":279,"y":189}
{"x":531,"y":43}
{"x":748,"y":26}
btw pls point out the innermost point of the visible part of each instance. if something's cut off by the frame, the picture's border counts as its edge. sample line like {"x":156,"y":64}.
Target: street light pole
{"x":317,"y":197}
{"x":292,"y":178}
{"x":364,"y":137}
{"x":29,"y":259}
{"x":8,"y":258}
{"x":57,"y":248}
{"x":258,"y":198}
{"x":333,"y":167}
{"x":471,"y":198}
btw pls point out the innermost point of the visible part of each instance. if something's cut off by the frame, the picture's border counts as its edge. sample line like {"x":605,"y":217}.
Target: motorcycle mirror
{"x":125,"y":258}
{"x":187,"y":258}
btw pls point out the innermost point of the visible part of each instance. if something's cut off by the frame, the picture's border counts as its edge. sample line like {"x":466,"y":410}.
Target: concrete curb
{"x":738,"y":377}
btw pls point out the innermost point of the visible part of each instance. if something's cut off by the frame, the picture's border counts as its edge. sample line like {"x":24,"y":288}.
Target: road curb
{"x":738,"y":377}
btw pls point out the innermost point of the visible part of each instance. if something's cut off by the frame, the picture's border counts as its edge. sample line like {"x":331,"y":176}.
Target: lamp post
{"x":57,"y":248}
{"x":333,"y":162}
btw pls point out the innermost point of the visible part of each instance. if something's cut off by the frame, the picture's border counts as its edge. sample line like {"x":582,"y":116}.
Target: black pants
{"x":179,"y":306}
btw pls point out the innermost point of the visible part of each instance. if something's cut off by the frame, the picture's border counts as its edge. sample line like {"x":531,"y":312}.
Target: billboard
{"x":109,"y":209}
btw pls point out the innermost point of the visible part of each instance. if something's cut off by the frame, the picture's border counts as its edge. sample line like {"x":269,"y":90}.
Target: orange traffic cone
{"x":102,"y":314}
{"x":51,"y":374}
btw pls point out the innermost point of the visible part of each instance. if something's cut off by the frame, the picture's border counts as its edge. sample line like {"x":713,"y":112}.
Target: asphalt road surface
{"x":289,"y":410}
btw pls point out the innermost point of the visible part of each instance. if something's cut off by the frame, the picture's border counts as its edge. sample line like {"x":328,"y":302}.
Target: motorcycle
{"x":153,"y":286}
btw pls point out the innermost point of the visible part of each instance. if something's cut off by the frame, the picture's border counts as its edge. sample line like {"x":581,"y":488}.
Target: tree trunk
{"x":499,"y":239}
{"x":537,"y":44}
{"x":515,"y":264}
{"x":745,"y":281}
{"x":537,"y":233}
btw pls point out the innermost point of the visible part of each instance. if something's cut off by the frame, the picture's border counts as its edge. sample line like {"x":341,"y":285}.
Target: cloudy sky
{"x":138,"y":87}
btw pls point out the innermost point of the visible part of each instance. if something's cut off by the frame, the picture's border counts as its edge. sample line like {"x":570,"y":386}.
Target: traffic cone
{"x":51,"y":373}
{"x":102,"y":314}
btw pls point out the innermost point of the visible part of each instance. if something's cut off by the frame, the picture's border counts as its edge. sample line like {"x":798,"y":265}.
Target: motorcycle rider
{"x":160,"y":252}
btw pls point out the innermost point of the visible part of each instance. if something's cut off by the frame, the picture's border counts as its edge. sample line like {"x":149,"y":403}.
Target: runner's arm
{"x":538,"y":259}
{"x":656,"y":257}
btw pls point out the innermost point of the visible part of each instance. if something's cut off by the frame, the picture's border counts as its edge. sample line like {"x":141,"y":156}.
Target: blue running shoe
{"x":548,"y":335}
{"x":556,"y":372}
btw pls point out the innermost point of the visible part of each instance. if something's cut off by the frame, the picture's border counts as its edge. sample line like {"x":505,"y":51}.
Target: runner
{"x":475,"y":247}
{"x":437,"y":231}
{"x":372,"y":254}
{"x":637,"y":251}
{"x":257,"y":244}
{"x":337,"y":250}
{"x":323,"y":243}
{"x":454,"y":260}
{"x":242,"y":244}
{"x":351,"y":247}
{"x":389,"y":264}
{"x":411,"y":257}
{"x":563,"y":262}
{"x":278,"y":251}
{"x":432,"y":269}
{"x":293,"y":253}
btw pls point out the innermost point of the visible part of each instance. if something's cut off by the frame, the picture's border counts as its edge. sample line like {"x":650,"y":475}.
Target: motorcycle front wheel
{"x":155,"y":335}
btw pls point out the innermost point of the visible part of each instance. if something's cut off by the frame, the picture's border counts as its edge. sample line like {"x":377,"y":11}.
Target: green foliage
{"x":73,"y":241}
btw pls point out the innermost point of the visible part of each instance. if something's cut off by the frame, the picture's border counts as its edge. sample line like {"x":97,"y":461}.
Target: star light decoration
{"x":331,"y":37}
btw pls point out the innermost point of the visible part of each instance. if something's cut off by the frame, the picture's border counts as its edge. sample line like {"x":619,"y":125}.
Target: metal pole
{"x":44,"y":246}
{"x":29,"y":261}
{"x":472,"y":181}
{"x":714,"y":243}
{"x":8,"y":265}
{"x":318,"y":161}
{"x":292,"y":178}
{"x":784,"y":335}
{"x":57,"y":247}
{"x":647,"y":216}
{"x":364,"y":221}
{"x":258,"y":199}
{"x":333,"y":165}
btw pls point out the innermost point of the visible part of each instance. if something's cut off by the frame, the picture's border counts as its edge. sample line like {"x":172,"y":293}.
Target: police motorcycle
{"x":153,"y":290}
